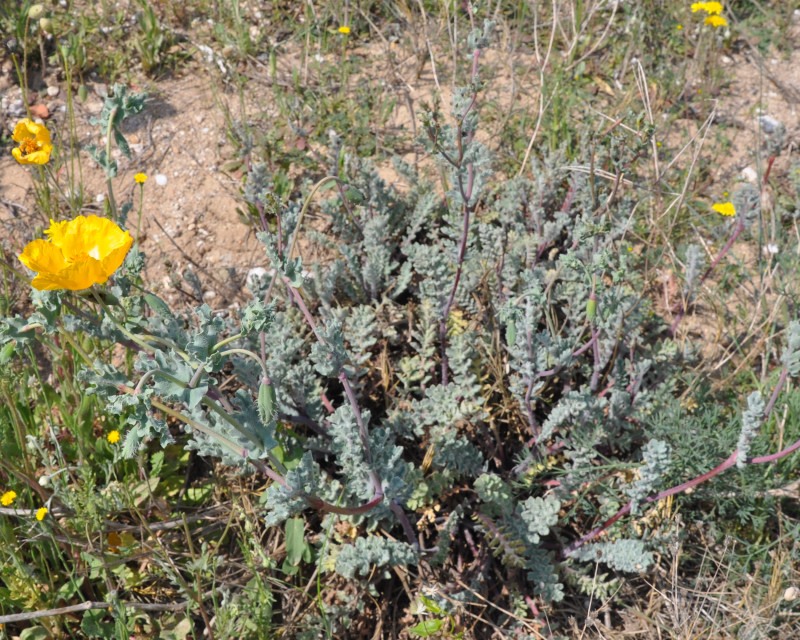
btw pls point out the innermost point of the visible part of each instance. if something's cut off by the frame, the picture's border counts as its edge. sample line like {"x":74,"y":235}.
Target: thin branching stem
{"x":729,"y":462}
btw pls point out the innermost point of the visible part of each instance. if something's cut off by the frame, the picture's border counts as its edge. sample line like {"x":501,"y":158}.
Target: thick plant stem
{"x":112,"y":203}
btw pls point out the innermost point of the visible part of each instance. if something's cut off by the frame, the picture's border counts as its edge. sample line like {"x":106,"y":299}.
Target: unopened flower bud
{"x":36,"y":11}
{"x":46,"y":25}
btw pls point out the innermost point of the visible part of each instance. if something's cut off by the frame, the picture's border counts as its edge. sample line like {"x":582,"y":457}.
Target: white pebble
{"x":161,"y":180}
{"x":750,"y":175}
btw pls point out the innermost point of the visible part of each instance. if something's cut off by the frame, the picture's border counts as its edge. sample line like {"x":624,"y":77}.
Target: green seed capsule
{"x":511,"y":333}
{"x":591,"y":307}
{"x":266,"y":403}
{"x":157,"y":305}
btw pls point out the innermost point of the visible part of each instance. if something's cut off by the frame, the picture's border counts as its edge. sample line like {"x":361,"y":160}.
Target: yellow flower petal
{"x":724,"y":208}
{"x":41,"y":512}
{"x":711,"y":8}
{"x":140,"y":178}
{"x":41,"y":255}
{"x":344,"y":30}
{"x":78,"y":253}
{"x":113,"y":437}
{"x":76,"y":277}
{"x":716,"y":21}
{"x":7,"y":499}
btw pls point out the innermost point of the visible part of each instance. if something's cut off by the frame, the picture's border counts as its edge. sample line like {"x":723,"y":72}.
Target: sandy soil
{"x":191,"y":221}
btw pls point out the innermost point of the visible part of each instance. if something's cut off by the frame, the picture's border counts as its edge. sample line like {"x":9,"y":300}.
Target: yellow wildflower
{"x":34,"y":143}
{"x":679,"y":27}
{"x":716,"y":21}
{"x":7,"y":499}
{"x":113,"y":437}
{"x":77,"y":254}
{"x":41,"y":512}
{"x":344,"y":30}
{"x":724,"y":208}
{"x":711,"y":8}
{"x":140,"y":178}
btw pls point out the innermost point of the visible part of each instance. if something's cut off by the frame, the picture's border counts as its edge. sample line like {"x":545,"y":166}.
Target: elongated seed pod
{"x":266,"y":402}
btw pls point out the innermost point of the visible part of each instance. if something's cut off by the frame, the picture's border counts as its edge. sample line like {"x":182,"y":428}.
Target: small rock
{"x":161,"y":180}
{"x":769,"y":124}
{"x":256,"y":273}
{"x":52,"y":91}
{"x":209,"y":295}
{"x":749,"y":175}
{"x":16,"y":109}
{"x":792,"y":593}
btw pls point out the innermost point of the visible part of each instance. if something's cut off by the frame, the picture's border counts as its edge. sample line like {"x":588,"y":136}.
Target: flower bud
{"x":46,"y":25}
{"x":36,"y":11}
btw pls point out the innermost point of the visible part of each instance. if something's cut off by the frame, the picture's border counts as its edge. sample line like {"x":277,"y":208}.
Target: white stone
{"x":256,"y":273}
{"x":161,"y":180}
{"x":749,"y":175}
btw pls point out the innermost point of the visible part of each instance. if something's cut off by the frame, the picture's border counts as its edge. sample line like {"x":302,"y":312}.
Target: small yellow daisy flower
{"x":679,"y":27}
{"x":344,"y":30}
{"x":113,"y":437}
{"x":41,"y":512}
{"x":724,"y":208}
{"x":7,"y":499}
{"x":140,"y":178}
{"x":716,"y":21}
{"x":711,"y":8}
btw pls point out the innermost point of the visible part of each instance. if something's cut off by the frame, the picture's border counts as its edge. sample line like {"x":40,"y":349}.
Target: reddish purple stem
{"x":724,"y":466}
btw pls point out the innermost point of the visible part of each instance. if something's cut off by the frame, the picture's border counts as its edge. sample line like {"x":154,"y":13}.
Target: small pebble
{"x":750,"y":175}
{"x":161,"y":179}
{"x":52,"y":91}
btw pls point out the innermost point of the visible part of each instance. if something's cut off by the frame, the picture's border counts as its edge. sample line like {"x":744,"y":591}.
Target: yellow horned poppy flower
{"x":34,"y":143}
{"x":41,"y":513}
{"x":7,"y":499}
{"x":113,"y":437}
{"x":77,"y":254}
{"x":724,"y":208}
{"x":140,"y":178}
{"x":344,"y":30}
